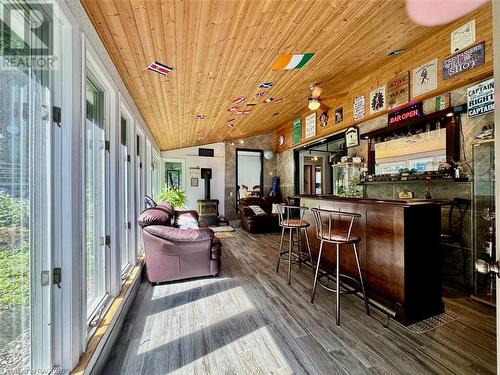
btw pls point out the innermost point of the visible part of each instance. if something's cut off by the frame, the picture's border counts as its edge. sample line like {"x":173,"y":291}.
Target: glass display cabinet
{"x":483,"y":217}
{"x":346,"y":180}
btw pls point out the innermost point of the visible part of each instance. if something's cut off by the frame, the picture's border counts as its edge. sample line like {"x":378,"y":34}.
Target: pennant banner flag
{"x":200,"y":117}
{"x":243,"y":112}
{"x":268,"y":100}
{"x":279,"y":100}
{"x":251,"y":104}
{"x":289,"y":62}
{"x":232,"y":109}
{"x":239,"y":100}
{"x":260,"y":94}
{"x":266,"y":85}
{"x":160,"y":68}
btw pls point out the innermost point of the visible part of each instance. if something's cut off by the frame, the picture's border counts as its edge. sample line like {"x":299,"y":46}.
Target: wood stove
{"x":208,"y":209}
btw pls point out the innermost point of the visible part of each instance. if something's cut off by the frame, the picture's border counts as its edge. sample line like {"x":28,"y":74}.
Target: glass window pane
{"x":95,"y":183}
{"x":123,"y":173}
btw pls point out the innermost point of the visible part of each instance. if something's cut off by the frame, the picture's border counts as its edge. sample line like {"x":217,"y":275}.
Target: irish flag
{"x":289,"y":62}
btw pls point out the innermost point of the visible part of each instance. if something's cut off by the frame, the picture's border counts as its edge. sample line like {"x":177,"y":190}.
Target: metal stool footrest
{"x":296,"y":258}
{"x":353,"y":290}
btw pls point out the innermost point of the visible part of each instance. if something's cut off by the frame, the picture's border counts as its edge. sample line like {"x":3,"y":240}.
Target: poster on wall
{"x":398,"y":91}
{"x":339,"y":115}
{"x":323,"y":119}
{"x":358,"y":108}
{"x":425,"y":78}
{"x":296,"y":131}
{"x":480,"y":98}
{"x":377,"y":100}
{"x":463,"y":37}
{"x":311,"y":125}
{"x":463,"y":61}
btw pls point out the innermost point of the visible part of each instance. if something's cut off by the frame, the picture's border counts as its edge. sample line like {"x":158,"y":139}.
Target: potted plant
{"x":176,"y":197}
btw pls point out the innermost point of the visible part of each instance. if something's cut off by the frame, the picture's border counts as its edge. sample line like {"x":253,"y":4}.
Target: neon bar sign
{"x":412,"y":111}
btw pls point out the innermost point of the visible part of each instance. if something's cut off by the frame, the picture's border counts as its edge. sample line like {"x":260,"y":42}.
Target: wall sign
{"x":463,"y":61}
{"x":352,"y":137}
{"x":443,"y":101}
{"x":311,"y":125}
{"x":463,"y":37}
{"x":209,"y":152}
{"x":425,"y":78}
{"x":358,"y":108}
{"x":398,"y":91}
{"x":377,"y":100}
{"x":480,"y":98}
{"x":414,"y":110}
{"x":339,"y":115}
{"x":296,"y":131}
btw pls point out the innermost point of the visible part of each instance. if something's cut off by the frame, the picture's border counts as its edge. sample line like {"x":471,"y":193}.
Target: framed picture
{"x":398,"y":90}
{"x":339,"y":115}
{"x":377,"y":100}
{"x":311,"y":125}
{"x":424,"y":78}
{"x":358,"y":108}
{"x":352,"y":137}
{"x":296,"y":131}
{"x":194,"y":181}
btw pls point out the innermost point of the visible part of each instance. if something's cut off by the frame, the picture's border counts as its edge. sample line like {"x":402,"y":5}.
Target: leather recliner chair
{"x":173,"y":253}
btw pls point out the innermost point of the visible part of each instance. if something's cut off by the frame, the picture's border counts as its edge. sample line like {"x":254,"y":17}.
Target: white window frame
{"x":95,"y":67}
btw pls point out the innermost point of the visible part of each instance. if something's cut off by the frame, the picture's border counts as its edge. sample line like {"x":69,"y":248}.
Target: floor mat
{"x":433,"y":322}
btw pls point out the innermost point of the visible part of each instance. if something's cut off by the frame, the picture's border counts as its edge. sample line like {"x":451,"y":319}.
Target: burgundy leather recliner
{"x":173,"y":253}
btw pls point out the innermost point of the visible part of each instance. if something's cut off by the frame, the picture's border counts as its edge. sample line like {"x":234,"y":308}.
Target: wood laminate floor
{"x":249,"y":321}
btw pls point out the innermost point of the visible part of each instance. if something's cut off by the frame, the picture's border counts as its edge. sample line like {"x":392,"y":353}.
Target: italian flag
{"x":289,"y":62}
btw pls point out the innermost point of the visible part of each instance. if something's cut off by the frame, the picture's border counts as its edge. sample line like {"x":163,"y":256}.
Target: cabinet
{"x":483,"y":214}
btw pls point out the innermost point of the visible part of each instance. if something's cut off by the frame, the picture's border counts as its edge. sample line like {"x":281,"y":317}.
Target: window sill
{"x":105,"y":326}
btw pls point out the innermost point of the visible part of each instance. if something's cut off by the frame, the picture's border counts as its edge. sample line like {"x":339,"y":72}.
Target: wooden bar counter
{"x":399,"y":252}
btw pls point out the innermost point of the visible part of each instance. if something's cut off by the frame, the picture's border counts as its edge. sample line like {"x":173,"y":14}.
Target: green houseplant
{"x":176,"y":197}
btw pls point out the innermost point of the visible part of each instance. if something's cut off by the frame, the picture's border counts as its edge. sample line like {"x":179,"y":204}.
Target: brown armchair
{"x":173,"y":253}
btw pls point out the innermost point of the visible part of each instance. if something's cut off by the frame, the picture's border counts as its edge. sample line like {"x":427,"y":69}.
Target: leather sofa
{"x":173,"y":253}
{"x":253,"y":223}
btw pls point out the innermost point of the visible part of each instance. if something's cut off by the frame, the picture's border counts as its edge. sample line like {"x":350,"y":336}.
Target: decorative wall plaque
{"x":398,"y":90}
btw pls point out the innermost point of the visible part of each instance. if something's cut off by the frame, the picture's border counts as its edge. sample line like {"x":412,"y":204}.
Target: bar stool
{"x":292,"y":217}
{"x":331,"y":228}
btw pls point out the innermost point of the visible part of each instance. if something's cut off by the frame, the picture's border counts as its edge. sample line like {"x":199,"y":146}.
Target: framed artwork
{"x":377,"y":100}
{"x":424,"y":78}
{"x":463,"y":37}
{"x":358,"y":108}
{"x":323,"y":119}
{"x":194,"y":181}
{"x":466,"y":60}
{"x":311,"y":125}
{"x":352,"y":137}
{"x":480,"y":98}
{"x":339,"y":115}
{"x":398,"y":90}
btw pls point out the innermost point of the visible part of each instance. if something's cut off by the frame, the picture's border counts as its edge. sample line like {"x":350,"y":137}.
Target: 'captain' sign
{"x":480,"y":98}
{"x":412,"y":111}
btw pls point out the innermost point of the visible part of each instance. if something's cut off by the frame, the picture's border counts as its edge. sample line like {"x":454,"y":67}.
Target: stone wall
{"x":285,"y":170}
{"x":259,"y":142}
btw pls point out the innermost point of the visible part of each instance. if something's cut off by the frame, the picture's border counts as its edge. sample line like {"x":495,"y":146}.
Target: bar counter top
{"x":399,"y":251}
{"x":371,"y":201}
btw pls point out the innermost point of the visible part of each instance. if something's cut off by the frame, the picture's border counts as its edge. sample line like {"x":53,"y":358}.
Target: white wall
{"x":217,"y":163}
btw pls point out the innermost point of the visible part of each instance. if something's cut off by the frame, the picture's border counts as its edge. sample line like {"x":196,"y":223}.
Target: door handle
{"x":483,"y":266}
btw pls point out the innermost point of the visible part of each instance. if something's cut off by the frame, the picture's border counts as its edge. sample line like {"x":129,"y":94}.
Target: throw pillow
{"x":275,"y":208}
{"x":257,"y":210}
{"x":186,"y":222}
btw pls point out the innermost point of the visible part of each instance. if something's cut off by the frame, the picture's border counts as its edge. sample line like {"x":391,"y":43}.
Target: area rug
{"x":433,"y":322}
{"x":224,"y":235}
{"x":222,"y":228}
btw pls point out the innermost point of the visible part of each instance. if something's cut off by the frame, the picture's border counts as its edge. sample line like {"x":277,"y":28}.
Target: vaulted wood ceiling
{"x":221,"y":50}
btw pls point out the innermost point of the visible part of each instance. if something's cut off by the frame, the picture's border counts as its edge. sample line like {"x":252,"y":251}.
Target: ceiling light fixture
{"x":314,"y":104}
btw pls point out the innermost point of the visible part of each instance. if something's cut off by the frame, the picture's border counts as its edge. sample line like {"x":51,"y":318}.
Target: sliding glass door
{"x":95,"y":196}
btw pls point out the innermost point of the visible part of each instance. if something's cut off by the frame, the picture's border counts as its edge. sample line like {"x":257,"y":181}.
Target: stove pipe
{"x":206,"y":174}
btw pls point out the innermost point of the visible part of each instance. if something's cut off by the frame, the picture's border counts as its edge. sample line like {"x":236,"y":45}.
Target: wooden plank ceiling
{"x":222,"y":50}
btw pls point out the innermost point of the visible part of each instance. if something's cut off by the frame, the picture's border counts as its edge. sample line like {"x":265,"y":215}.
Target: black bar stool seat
{"x":292,"y":218}
{"x":335,"y":227}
